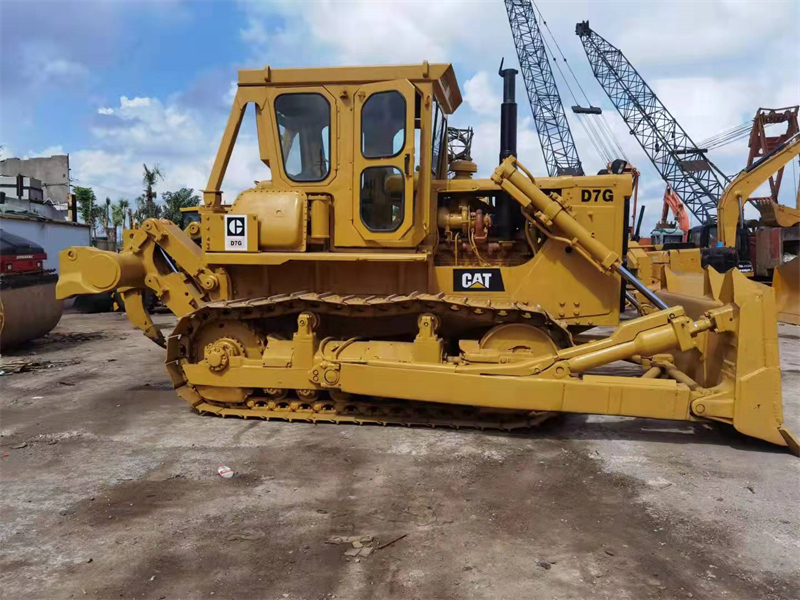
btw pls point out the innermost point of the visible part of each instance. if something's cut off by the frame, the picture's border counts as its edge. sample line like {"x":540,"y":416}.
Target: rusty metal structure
{"x":665,"y":230}
{"x":761,"y":144}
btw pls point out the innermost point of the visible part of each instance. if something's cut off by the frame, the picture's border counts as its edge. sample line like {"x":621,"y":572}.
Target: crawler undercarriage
{"x":290,"y":357}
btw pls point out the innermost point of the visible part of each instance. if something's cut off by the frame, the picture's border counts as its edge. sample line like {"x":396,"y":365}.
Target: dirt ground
{"x":110,"y":490}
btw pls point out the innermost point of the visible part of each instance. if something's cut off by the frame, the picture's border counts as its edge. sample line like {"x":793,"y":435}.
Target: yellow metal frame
{"x":403,"y":161}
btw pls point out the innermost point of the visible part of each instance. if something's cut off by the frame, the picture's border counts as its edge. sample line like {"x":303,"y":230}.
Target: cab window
{"x":382,"y":198}
{"x":304,"y":125}
{"x":383,"y":125}
{"x":438,"y":138}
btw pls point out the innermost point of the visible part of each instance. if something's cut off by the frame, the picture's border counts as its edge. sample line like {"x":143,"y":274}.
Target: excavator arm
{"x":739,"y":190}
{"x":672,"y":202}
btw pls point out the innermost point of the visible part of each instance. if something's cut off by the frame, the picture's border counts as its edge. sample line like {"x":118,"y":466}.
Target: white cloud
{"x":230,"y":95}
{"x":6,"y":152}
{"x":482,"y":94}
{"x":134,"y":102}
{"x":255,"y":33}
{"x":364,"y":32}
{"x":181,"y":141}
{"x":709,"y":78}
{"x":147,"y":124}
{"x":693,"y":32}
{"x":42,"y":63}
{"x":49,"y":151}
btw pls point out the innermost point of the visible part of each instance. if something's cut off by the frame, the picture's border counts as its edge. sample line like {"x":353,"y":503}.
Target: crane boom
{"x":684,"y":166}
{"x":558,"y":146}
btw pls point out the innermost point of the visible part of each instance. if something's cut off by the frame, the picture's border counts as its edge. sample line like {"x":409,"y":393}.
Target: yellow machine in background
{"x":786,"y":278}
{"x":673,"y":269}
{"x":371,"y":281}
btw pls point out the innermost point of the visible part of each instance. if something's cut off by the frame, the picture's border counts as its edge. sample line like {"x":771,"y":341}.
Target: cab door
{"x":383,"y":162}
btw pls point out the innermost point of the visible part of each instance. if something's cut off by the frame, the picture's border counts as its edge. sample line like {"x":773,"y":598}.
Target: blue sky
{"x":116,"y":84}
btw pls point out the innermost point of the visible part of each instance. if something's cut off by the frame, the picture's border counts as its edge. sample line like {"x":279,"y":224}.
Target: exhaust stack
{"x":507,"y":217}
{"x":508,"y":113}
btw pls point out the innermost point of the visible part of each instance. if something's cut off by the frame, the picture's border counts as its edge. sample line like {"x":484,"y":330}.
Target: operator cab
{"x":352,"y":152}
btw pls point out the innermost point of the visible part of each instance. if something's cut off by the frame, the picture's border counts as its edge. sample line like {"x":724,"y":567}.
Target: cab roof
{"x":442,"y":75}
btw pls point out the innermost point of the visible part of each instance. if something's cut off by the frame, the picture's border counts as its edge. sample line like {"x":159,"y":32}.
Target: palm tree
{"x":118,"y":211}
{"x":150,"y":178}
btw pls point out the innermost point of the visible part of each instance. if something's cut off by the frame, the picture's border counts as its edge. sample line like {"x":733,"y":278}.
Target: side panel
{"x":364,"y":278}
{"x":559,"y":279}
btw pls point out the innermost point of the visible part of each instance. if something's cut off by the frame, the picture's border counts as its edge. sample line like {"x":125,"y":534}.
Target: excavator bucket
{"x":776,"y":215}
{"x":786,"y":283}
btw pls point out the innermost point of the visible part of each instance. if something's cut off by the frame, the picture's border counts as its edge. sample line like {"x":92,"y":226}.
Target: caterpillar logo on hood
{"x":478,"y":280}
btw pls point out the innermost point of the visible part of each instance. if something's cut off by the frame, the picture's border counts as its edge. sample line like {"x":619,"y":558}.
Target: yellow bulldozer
{"x":374,"y":280}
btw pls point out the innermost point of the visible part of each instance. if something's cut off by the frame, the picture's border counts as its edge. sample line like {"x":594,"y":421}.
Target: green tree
{"x":146,"y":207}
{"x":175,"y":201}
{"x":90,"y":212}
{"x":146,"y":210}
{"x":119,"y":211}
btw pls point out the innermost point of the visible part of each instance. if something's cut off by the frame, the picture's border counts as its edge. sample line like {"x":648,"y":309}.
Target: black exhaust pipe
{"x":637,"y":235}
{"x":508,"y":113}
{"x":507,"y":215}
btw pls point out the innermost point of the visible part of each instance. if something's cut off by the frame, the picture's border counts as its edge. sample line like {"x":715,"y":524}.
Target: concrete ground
{"x":110,"y":490}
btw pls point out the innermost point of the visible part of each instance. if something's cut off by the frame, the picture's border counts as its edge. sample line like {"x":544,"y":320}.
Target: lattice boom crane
{"x":558,"y":146}
{"x":684,"y":166}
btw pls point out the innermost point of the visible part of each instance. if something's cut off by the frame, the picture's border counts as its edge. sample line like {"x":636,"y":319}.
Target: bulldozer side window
{"x":437,"y":138}
{"x":304,"y":124}
{"x":382,"y":194}
{"x":383,"y":125}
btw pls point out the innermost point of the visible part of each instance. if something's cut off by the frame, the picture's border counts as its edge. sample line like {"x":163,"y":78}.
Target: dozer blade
{"x":744,"y":361}
{"x":786,"y":283}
